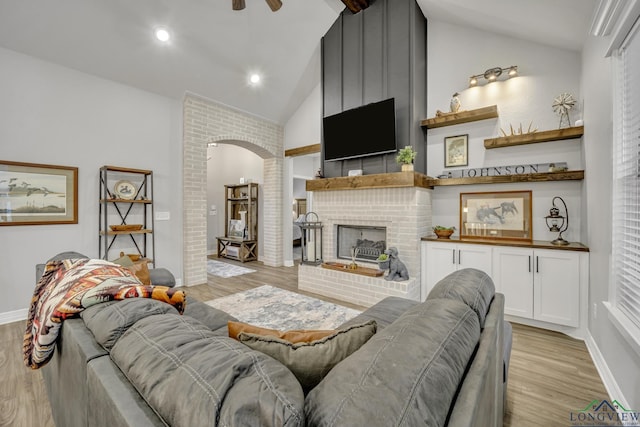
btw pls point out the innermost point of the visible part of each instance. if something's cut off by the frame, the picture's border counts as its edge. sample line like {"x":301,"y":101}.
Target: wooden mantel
{"x":380,"y":180}
{"x":415,"y":179}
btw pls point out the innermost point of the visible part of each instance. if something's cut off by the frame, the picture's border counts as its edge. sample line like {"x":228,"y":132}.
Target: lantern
{"x":311,"y":239}
{"x":556,"y":222}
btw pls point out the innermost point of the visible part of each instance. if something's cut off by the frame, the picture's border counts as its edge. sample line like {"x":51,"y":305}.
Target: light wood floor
{"x":550,"y":374}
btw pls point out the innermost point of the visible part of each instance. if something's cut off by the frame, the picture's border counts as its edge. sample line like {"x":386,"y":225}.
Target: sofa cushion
{"x":469,"y":285}
{"x":190,"y":375}
{"x":310,"y":361}
{"x":293,"y":335}
{"x":407,"y":374}
{"x":108,"y":321}
{"x":384,"y":312}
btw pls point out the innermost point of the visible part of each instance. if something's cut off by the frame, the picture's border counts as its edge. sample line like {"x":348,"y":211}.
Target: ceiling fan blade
{"x":237,"y":4}
{"x":274,"y":4}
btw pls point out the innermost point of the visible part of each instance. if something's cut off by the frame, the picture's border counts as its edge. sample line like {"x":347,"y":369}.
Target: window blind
{"x":626,"y":179}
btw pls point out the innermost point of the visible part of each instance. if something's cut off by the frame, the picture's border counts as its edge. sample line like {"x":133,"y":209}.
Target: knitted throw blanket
{"x":69,"y":286}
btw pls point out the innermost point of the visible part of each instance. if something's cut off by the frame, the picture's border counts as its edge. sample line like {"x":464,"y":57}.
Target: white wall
{"x":621,"y":360}
{"x":55,"y":115}
{"x":303,"y":127}
{"x":226,"y":165}
{"x":454,"y":54}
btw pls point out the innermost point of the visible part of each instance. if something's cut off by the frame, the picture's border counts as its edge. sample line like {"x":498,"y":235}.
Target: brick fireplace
{"x":398,"y":202}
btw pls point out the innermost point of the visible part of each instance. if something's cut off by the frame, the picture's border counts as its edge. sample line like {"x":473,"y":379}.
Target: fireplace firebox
{"x":371,"y":241}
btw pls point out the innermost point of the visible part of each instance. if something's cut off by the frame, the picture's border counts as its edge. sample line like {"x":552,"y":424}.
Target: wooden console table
{"x":238,"y":249}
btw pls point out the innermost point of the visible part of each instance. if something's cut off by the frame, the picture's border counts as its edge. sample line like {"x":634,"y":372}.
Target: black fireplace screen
{"x":370,"y":241}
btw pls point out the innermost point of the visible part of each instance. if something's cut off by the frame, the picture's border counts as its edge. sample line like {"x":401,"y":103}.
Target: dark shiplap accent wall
{"x":377,"y":54}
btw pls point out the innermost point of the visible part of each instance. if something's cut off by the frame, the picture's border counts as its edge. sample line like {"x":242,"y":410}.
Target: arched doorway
{"x":206,"y":122}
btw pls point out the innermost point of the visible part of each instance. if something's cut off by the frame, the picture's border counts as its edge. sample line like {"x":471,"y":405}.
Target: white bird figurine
{"x":454,"y":105}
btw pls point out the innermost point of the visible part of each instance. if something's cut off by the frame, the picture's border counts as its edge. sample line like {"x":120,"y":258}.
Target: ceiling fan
{"x":354,"y":6}
{"x":273,"y":4}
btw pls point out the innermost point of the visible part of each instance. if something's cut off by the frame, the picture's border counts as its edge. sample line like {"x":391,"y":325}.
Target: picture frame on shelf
{"x":236,"y":228}
{"x":38,"y":194}
{"x":125,"y":190}
{"x":456,"y":151}
{"x":504,"y":215}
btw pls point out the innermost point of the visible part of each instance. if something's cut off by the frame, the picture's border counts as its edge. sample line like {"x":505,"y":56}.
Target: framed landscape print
{"x":496,"y":216}
{"x":456,"y":149}
{"x":35,"y":194}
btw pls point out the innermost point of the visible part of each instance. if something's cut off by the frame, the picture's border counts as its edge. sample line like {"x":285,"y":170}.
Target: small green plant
{"x":382,"y":257}
{"x":406,"y":155}
{"x":441,"y":228}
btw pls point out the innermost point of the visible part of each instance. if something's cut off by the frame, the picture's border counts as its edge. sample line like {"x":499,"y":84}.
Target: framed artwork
{"x":502,"y":215}
{"x":35,"y":194}
{"x":236,"y":228}
{"x":456,"y":151}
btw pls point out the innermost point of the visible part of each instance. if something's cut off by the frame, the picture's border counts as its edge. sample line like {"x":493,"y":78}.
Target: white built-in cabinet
{"x":444,"y":258}
{"x":543,"y":287}
{"x":539,"y":284}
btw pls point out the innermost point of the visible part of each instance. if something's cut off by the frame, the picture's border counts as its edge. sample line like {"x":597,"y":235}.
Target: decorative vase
{"x":407,"y":167}
{"x":383,"y":265}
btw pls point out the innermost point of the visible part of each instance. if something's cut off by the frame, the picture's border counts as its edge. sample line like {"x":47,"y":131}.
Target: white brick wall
{"x":206,"y":121}
{"x":406,"y":212}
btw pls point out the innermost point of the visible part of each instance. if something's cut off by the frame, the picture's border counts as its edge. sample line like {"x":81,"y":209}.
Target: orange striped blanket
{"x":69,"y":286}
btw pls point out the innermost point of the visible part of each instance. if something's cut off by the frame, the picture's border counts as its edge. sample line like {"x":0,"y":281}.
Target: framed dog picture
{"x":496,"y":216}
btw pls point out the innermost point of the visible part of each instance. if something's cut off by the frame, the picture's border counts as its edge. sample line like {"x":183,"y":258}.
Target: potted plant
{"x":405,"y":158}
{"x":383,"y":261}
{"x":443,"y":232}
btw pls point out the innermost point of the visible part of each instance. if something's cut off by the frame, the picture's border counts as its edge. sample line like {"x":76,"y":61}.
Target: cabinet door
{"x":557,"y":287}
{"x":441,"y":261}
{"x":474,"y":256}
{"x":513,"y":277}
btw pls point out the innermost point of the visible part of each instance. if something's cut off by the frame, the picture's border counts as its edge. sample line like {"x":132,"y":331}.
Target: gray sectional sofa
{"x":138,"y":363}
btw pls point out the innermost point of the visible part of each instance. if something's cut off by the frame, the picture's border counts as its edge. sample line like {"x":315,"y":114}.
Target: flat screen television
{"x":361,"y":131}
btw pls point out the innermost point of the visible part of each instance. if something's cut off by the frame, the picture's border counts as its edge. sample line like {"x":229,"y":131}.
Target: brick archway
{"x":206,"y":121}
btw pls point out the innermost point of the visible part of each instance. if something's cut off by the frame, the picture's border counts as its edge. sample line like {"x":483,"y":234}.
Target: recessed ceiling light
{"x":162,"y":34}
{"x":254,"y":79}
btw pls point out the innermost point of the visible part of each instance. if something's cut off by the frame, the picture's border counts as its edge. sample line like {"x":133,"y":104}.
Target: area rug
{"x":222,"y":269}
{"x":275,"y":308}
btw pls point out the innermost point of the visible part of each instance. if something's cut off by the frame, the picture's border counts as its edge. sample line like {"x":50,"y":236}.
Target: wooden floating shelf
{"x":451,"y":119}
{"x":363,"y":271}
{"x":124,"y":201}
{"x":380,"y":180}
{"x":533,"y":138}
{"x":501,"y":179}
{"x":126,"y":170}
{"x":113,"y":233}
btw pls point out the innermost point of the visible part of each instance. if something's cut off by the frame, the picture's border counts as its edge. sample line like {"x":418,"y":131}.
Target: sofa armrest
{"x":161,"y":277}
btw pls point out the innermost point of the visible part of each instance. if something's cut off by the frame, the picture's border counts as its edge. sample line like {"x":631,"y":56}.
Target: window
{"x":626,"y":191}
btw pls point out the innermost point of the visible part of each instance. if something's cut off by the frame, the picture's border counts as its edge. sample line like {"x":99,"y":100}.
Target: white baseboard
{"x":288,"y":263}
{"x":603,"y":369}
{"x":13,"y":316}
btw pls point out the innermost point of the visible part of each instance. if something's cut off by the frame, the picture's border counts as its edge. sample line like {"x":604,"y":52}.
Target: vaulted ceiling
{"x":214,"y":48}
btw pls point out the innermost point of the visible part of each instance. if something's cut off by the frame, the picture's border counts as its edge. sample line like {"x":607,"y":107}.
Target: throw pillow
{"x":140,"y":270}
{"x":294,"y":335}
{"x":311,"y":361}
{"x":123,"y":261}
